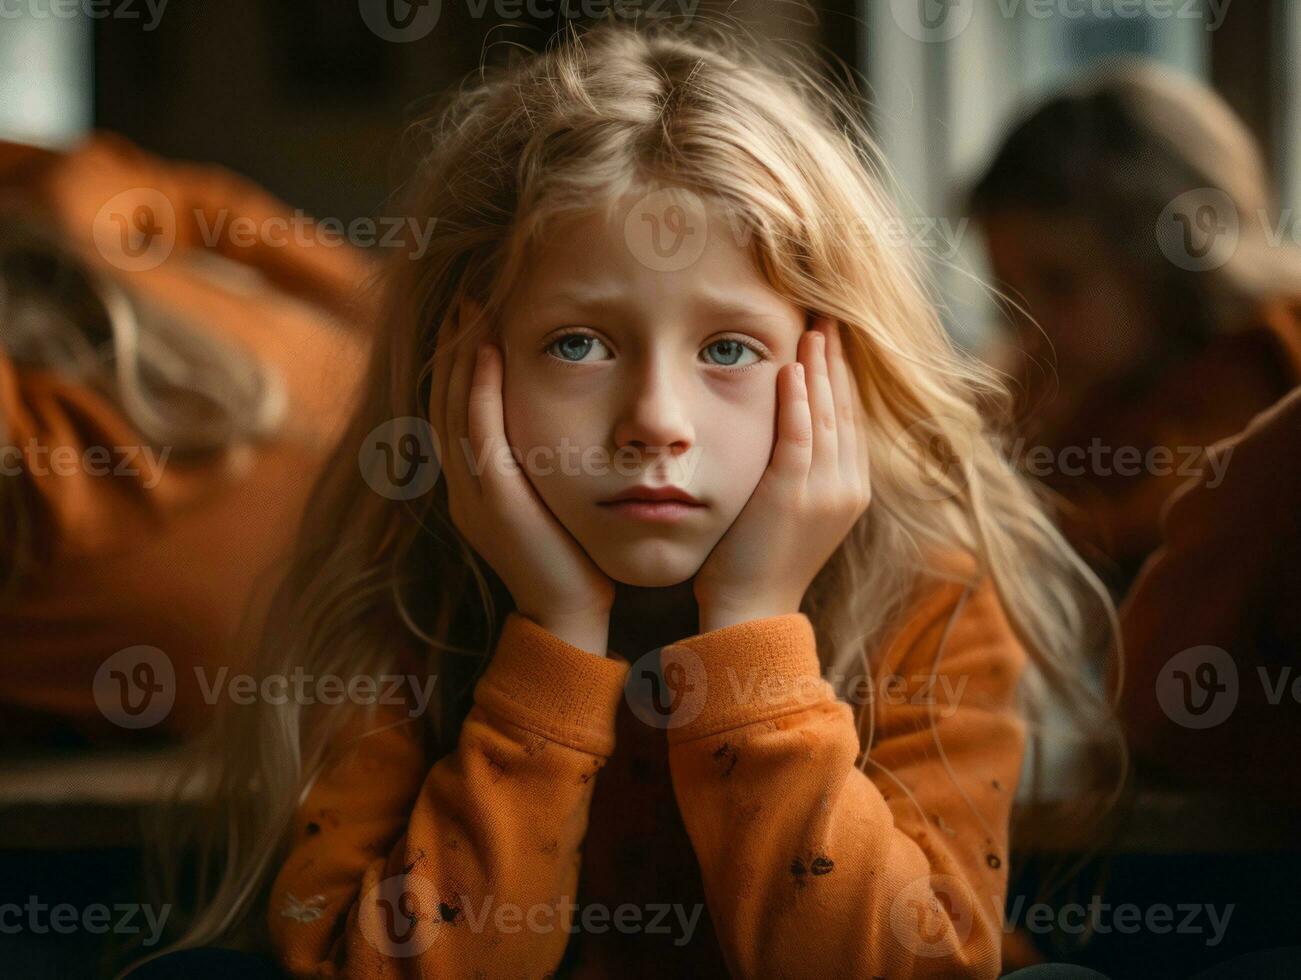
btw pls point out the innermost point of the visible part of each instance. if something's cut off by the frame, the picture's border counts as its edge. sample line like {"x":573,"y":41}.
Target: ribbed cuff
{"x":744,"y":673}
{"x":552,"y":688}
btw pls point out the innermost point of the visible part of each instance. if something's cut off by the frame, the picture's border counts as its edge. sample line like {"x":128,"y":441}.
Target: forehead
{"x":684,"y":251}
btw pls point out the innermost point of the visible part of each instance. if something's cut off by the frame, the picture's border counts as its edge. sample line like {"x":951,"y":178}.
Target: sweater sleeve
{"x":76,"y":458}
{"x":814,"y":866}
{"x":306,"y":256}
{"x":400,"y":870}
{"x":206,"y":207}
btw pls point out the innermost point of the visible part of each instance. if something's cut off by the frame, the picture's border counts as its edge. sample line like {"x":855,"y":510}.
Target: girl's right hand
{"x":553,"y":581}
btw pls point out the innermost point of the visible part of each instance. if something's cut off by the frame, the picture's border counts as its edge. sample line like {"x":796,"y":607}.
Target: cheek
{"x":534,"y":414}
{"x":518,"y":419}
{"x":528,"y":422}
{"x":739,"y":443}
{"x":548,"y":430}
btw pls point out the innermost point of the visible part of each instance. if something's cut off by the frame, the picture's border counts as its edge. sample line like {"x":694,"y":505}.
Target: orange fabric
{"x":1225,"y":578}
{"x":742,"y":839}
{"x":205,"y":200}
{"x":169,"y":557}
{"x":1113,"y":518}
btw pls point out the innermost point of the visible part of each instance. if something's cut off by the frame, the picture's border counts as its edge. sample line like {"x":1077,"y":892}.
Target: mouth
{"x":662,"y":504}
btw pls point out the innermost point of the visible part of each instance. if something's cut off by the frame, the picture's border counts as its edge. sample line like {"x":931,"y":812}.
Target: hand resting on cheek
{"x":815,"y":489}
{"x":551,"y":578}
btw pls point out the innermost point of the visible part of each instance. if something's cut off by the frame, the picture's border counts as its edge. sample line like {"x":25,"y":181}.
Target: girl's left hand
{"x":815,"y":489}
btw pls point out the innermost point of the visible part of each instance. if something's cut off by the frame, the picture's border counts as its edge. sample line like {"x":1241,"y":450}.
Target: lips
{"x":654,"y":495}
{"x":653,"y":507}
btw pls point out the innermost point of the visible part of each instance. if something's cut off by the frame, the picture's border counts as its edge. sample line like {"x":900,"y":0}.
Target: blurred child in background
{"x":1132,"y":218}
{"x":168,"y":391}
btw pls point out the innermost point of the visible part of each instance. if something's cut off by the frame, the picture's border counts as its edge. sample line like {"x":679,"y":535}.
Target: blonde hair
{"x":178,"y":386}
{"x":613,"y":111}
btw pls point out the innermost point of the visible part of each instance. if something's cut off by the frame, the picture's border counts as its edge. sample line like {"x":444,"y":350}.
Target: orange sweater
{"x":171,"y":555}
{"x":565,"y":836}
{"x":1113,"y":512}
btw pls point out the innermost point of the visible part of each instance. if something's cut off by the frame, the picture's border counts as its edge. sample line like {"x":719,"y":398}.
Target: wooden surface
{"x":79,"y":800}
{"x":96,"y":799}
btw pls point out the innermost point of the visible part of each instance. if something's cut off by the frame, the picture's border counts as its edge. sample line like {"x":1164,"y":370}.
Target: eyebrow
{"x":599,"y":299}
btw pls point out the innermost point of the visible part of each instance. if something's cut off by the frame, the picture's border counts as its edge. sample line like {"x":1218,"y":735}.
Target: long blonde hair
{"x":610,"y":111}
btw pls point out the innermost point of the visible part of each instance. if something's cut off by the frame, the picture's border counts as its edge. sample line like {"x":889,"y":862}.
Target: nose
{"x":654,"y":416}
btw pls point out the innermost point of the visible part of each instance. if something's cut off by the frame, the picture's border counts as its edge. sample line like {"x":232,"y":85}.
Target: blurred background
{"x":309,"y":100}
{"x":310,"y":103}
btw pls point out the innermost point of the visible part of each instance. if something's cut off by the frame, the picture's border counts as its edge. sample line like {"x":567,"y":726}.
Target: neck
{"x":646,"y":618}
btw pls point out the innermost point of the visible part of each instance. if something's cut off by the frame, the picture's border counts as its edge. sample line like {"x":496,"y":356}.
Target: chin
{"x":648,"y":564}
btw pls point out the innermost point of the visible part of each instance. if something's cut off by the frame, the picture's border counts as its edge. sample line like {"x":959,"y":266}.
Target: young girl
{"x":773,"y":728}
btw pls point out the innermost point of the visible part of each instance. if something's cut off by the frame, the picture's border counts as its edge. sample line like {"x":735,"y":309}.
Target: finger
{"x":862,"y":443}
{"x":486,"y":424}
{"x":843,"y":392}
{"x":458,"y":393}
{"x":822,"y":407}
{"x":445,"y":350}
{"x":793,"y":454}
{"x":848,"y":398}
{"x":438,"y":384}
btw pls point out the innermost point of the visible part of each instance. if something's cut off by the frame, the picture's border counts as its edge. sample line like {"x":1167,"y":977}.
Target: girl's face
{"x":626,"y":368}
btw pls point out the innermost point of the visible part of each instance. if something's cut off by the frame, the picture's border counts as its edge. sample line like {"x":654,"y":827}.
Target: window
{"x":1290,"y":131}
{"x":949,"y":76}
{"x":45,"y":74}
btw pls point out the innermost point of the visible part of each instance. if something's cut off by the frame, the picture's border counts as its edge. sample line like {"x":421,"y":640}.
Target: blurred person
{"x":1213,"y":692}
{"x":1132,"y":216}
{"x":167,"y":395}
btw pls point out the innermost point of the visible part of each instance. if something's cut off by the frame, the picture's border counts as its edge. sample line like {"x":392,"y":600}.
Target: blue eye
{"x":574,"y":346}
{"x":732,"y":350}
